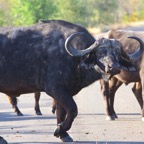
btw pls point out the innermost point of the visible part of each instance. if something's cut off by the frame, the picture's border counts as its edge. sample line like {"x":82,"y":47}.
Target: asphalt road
{"x":90,"y":126}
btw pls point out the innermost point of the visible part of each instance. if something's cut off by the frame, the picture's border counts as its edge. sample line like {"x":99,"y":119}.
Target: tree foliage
{"x":90,"y":13}
{"x":107,"y":11}
{"x":130,"y":9}
{"x":26,"y":12}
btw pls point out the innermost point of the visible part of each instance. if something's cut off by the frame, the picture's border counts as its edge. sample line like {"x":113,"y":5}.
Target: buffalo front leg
{"x":114,"y":84}
{"x":13,"y":102}
{"x":66,"y":111}
{"x":107,"y":100}
{"x":37,"y":107}
{"x":61,"y":115}
{"x":105,"y":92}
{"x":108,"y":92}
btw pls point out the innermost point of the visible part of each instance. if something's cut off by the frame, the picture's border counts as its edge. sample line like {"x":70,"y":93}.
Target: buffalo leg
{"x":142,"y":84}
{"x":13,"y":102}
{"x":37,"y":107}
{"x":114,"y":84}
{"x":53,"y":106}
{"x":105,"y":93}
{"x":143,"y":106}
{"x":66,"y":110}
{"x":61,"y":115}
{"x":107,"y":100}
{"x":137,"y":90}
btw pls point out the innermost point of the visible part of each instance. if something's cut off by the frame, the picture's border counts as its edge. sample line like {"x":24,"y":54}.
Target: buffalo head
{"x":107,"y":54}
{"x":102,"y":53}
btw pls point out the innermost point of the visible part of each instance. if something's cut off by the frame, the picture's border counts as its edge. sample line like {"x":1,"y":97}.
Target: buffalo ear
{"x":127,"y":65}
{"x":124,"y":55}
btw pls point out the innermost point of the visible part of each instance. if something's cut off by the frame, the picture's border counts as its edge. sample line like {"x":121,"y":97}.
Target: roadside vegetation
{"x":89,"y":13}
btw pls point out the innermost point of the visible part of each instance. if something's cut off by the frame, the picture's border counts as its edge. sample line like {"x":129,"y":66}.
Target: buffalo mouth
{"x":110,"y":73}
{"x":107,"y":69}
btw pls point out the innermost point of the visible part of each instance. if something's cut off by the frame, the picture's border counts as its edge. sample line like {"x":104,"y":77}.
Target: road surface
{"x":89,"y":127}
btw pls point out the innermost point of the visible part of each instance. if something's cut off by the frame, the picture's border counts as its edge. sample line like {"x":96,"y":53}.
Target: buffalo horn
{"x":138,"y":53}
{"x":78,"y":53}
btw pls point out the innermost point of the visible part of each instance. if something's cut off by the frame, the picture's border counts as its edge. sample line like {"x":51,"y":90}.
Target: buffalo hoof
{"x":63,"y":135}
{"x":3,"y":141}
{"x":53,"y":110}
{"x":66,"y":139}
{"x":110,"y":118}
{"x":38,"y":113}
{"x":114,"y":116}
{"x":142,"y":119}
{"x":19,"y":114}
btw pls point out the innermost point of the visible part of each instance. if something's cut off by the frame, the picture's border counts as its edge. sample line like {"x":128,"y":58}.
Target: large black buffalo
{"x":59,"y":58}
{"x":126,"y":76}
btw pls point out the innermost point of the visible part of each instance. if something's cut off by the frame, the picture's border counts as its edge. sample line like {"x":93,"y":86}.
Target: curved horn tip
{"x":131,"y":36}
{"x":135,"y":37}
{"x":138,"y":53}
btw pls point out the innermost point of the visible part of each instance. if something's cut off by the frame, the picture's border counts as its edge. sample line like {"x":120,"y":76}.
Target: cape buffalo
{"x":126,"y":76}
{"x":59,"y":58}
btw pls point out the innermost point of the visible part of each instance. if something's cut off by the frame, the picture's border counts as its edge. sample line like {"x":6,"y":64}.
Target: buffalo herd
{"x":61,"y":58}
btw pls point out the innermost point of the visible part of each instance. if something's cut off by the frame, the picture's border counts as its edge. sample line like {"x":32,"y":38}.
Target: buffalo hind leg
{"x":137,"y":90}
{"x":37,"y":107}
{"x":53,"y":106}
{"x":142,"y":87}
{"x":13,"y":102}
{"x":66,"y":110}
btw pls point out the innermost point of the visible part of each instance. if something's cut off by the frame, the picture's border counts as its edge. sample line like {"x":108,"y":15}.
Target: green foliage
{"x":107,"y":11}
{"x":2,"y":15}
{"x":5,"y":18}
{"x":141,"y":11}
{"x":73,"y":10}
{"x":133,"y":17}
{"x":130,"y":9}
{"x":26,"y":12}
{"x":90,"y":13}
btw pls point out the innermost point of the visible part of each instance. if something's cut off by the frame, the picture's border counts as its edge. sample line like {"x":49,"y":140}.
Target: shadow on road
{"x":104,"y":114}
{"x":6,"y":116}
{"x":82,"y":142}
